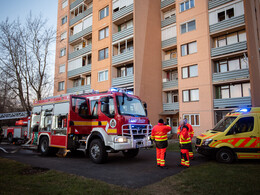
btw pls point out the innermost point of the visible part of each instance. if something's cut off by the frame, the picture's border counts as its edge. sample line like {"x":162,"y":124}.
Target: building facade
{"x":185,"y":58}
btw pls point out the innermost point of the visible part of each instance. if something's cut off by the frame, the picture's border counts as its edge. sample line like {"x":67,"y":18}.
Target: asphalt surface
{"x":132,"y":173}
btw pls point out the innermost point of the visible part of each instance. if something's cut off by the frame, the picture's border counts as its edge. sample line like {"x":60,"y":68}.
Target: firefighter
{"x":185,"y":142}
{"x":159,"y":134}
{"x":191,"y":133}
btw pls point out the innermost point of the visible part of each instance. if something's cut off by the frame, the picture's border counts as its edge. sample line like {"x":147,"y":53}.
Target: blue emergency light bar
{"x":243,"y":110}
{"x":114,"y":89}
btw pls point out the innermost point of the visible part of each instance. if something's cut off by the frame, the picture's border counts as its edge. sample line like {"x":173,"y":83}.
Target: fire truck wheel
{"x":97,"y":151}
{"x":225,"y":155}
{"x":10,"y":138}
{"x":131,"y":153}
{"x":44,"y":146}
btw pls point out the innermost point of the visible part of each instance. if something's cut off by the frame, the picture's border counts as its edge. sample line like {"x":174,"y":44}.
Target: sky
{"x":14,"y":9}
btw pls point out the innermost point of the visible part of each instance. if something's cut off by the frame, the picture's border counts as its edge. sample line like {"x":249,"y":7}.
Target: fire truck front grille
{"x":137,"y":131}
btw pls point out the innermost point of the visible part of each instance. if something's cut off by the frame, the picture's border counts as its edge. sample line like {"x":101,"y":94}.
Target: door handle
{"x":252,"y":136}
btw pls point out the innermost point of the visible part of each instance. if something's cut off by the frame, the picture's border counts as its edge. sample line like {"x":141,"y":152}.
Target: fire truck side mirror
{"x":104,"y":99}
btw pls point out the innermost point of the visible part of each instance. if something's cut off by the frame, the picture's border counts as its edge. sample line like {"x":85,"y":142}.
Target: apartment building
{"x":185,"y":58}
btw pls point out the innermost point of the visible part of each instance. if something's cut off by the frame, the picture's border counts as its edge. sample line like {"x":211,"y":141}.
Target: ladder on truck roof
{"x":13,"y":115}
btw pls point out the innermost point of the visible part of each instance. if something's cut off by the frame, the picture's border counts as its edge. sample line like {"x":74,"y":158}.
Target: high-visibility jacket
{"x":184,"y":135}
{"x":190,"y":130}
{"x":159,"y":134}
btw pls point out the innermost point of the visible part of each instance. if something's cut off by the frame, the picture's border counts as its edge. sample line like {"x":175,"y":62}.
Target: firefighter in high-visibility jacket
{"x":159,"y":135}
{"x":191,"y":133}
{"x":185,"y":142}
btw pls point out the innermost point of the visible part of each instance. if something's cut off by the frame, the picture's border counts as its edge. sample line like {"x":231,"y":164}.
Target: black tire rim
{"x":225,"y":156}
{"x":95,"y":151}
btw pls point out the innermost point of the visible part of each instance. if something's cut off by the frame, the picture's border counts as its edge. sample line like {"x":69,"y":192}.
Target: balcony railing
{"x":171,"y":106}
{"x":122,"y":34}
{"x":227,"y":24}
{"x":75,"y":3}
{"x":122,"y":12}
{"x":169,"y":42}
{"x":166,"y":3}
{"x":81,"y":16}
{"x":85,"y":88}
{"x":80,"y":70}
{"x":215,"y":3}
{"x":170,"y":84}
{"x":169,"y":63}
{"x":80,"y":52}
{"x":123,"y":57}
{"x":228,"y":49}
{"x":232,"y":102}
{"x":231,"y":75}
{"x":123,"y":80}
{"x":80,"y":34}
{"x":168,"y":21}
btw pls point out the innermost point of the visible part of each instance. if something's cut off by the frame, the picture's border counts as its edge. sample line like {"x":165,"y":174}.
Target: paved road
{"x":131,"y":173}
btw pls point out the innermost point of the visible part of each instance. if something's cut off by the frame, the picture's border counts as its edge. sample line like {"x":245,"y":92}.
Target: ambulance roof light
{"x":243,"y":110}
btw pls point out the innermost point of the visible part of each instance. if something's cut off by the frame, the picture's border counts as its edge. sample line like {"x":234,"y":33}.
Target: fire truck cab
{"x":237,"y":136}
{"x":97,"y":123}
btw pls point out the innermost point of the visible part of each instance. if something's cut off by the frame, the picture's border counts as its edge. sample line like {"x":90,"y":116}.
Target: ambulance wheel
{"x":97,"y":151}
{"x":225,"y":156}
{"x":10,"y":138}
{"x":131,"y":153}
{"x":44,"y":146}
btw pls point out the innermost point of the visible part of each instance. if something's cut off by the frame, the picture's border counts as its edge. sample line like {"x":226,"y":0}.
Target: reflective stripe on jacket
{"x":184,"y":135}
{"x":159,"y":132}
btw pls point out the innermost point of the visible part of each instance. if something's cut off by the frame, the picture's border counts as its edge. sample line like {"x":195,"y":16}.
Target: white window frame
{"x":105,"y":12}
{"x":185,"y":5}
{"x":62,"y":68}
{"x":186,"y":26}
{"x":63,"y":86}
{"x":100,"y":72}
{"x":189,"y":120}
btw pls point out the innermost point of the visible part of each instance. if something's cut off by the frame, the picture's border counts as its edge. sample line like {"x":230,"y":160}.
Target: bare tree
{"x":24,"y":58}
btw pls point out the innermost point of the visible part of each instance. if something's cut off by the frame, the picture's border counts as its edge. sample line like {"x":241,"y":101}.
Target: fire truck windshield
{"x":130,"y":106}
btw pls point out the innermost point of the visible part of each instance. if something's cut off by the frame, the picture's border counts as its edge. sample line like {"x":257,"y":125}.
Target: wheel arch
{"x":94,"y":135}
{"x":41,"y":136}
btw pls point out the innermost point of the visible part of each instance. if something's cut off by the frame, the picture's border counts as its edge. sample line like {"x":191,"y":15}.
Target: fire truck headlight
{"x":120,"y":139}
{"x":206,"y":142}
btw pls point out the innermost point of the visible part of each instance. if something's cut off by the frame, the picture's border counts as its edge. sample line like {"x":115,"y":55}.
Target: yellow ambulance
{"x":236,"y":136}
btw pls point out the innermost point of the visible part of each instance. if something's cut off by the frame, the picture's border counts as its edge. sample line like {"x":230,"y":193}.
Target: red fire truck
{"x":98,"y":123}
{"x":19,"y":132}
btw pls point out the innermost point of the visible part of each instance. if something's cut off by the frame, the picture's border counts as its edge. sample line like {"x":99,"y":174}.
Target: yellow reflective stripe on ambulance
{"x":250,"y":142}
{"x":239,"y":142}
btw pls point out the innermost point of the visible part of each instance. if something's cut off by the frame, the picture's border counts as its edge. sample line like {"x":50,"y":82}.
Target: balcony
{"x":168,"y":21}
{"x":169,"y":42}
{"x":215,"y":3}
{"x":170,"y":84}
{"x":171,"y":106}
{"x":122,"y":12}
{"x":232,"y":102}
{"x":166,"y":3}
{"x":122,"y":80}
{"x":81,"y":16}
{"x":228,"y":49}
{"x":85,"y":88}
{"x":123,"y":57}
{"x":122,"y":34}
{"x":80,"y":70}
{"x":80,"y":52}
{"x":75,"y":3}
{"x":80,"y":34}
{"x":169,"y":63}
{"x":231,"y":75}
{"x":227,"y":24}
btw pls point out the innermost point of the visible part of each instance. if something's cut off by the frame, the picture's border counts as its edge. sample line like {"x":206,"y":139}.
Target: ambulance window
{"x":243,"y":125}
{"x":224,"y":124}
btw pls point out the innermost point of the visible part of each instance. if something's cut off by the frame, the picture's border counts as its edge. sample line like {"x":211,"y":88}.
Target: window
{"x":111,"y":107}
{"x":88,"y":80}
{"x":103,"y":33}
{"x":62,"y":68}
{"x":231,"y":64}
{"x":186,"y":5}
{"x":63,"y":36}
{"x":188,"y":48}
{"x":168,"y":32}
{"x":78,"y":82}
{"x":233,"y":91}
{"x":190,"y":95}
{"x":125,"y":71}
{"x":63,"y":20}
{"x":125,"y":25}
{"x":103,"y":54}
{"x":170,"y":54}
{"x":169,"y":14}
{"x":243,"y":125}
{"x":189,"y":71}
{"x":229,"y":39}
{"x":188,"y":26}
{"x":62,"y":52}
{"x":94,"y":107}
{"x":223,"y":15}
{"x":193,"y":119}
{"x":103,"y":13}
{"x":172,"y":75}
{"x":61,"y":86}
{"x":64,"y":4}
{"x":172,"y":96}
{"x":103,"y":76}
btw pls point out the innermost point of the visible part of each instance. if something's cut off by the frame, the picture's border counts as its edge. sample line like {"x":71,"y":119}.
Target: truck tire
{"x":225,"y":155}
{"x":44,"y":146}
{"x":131,"y":153}
{"x":97,"y":151}
{"x":10,"y":138}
